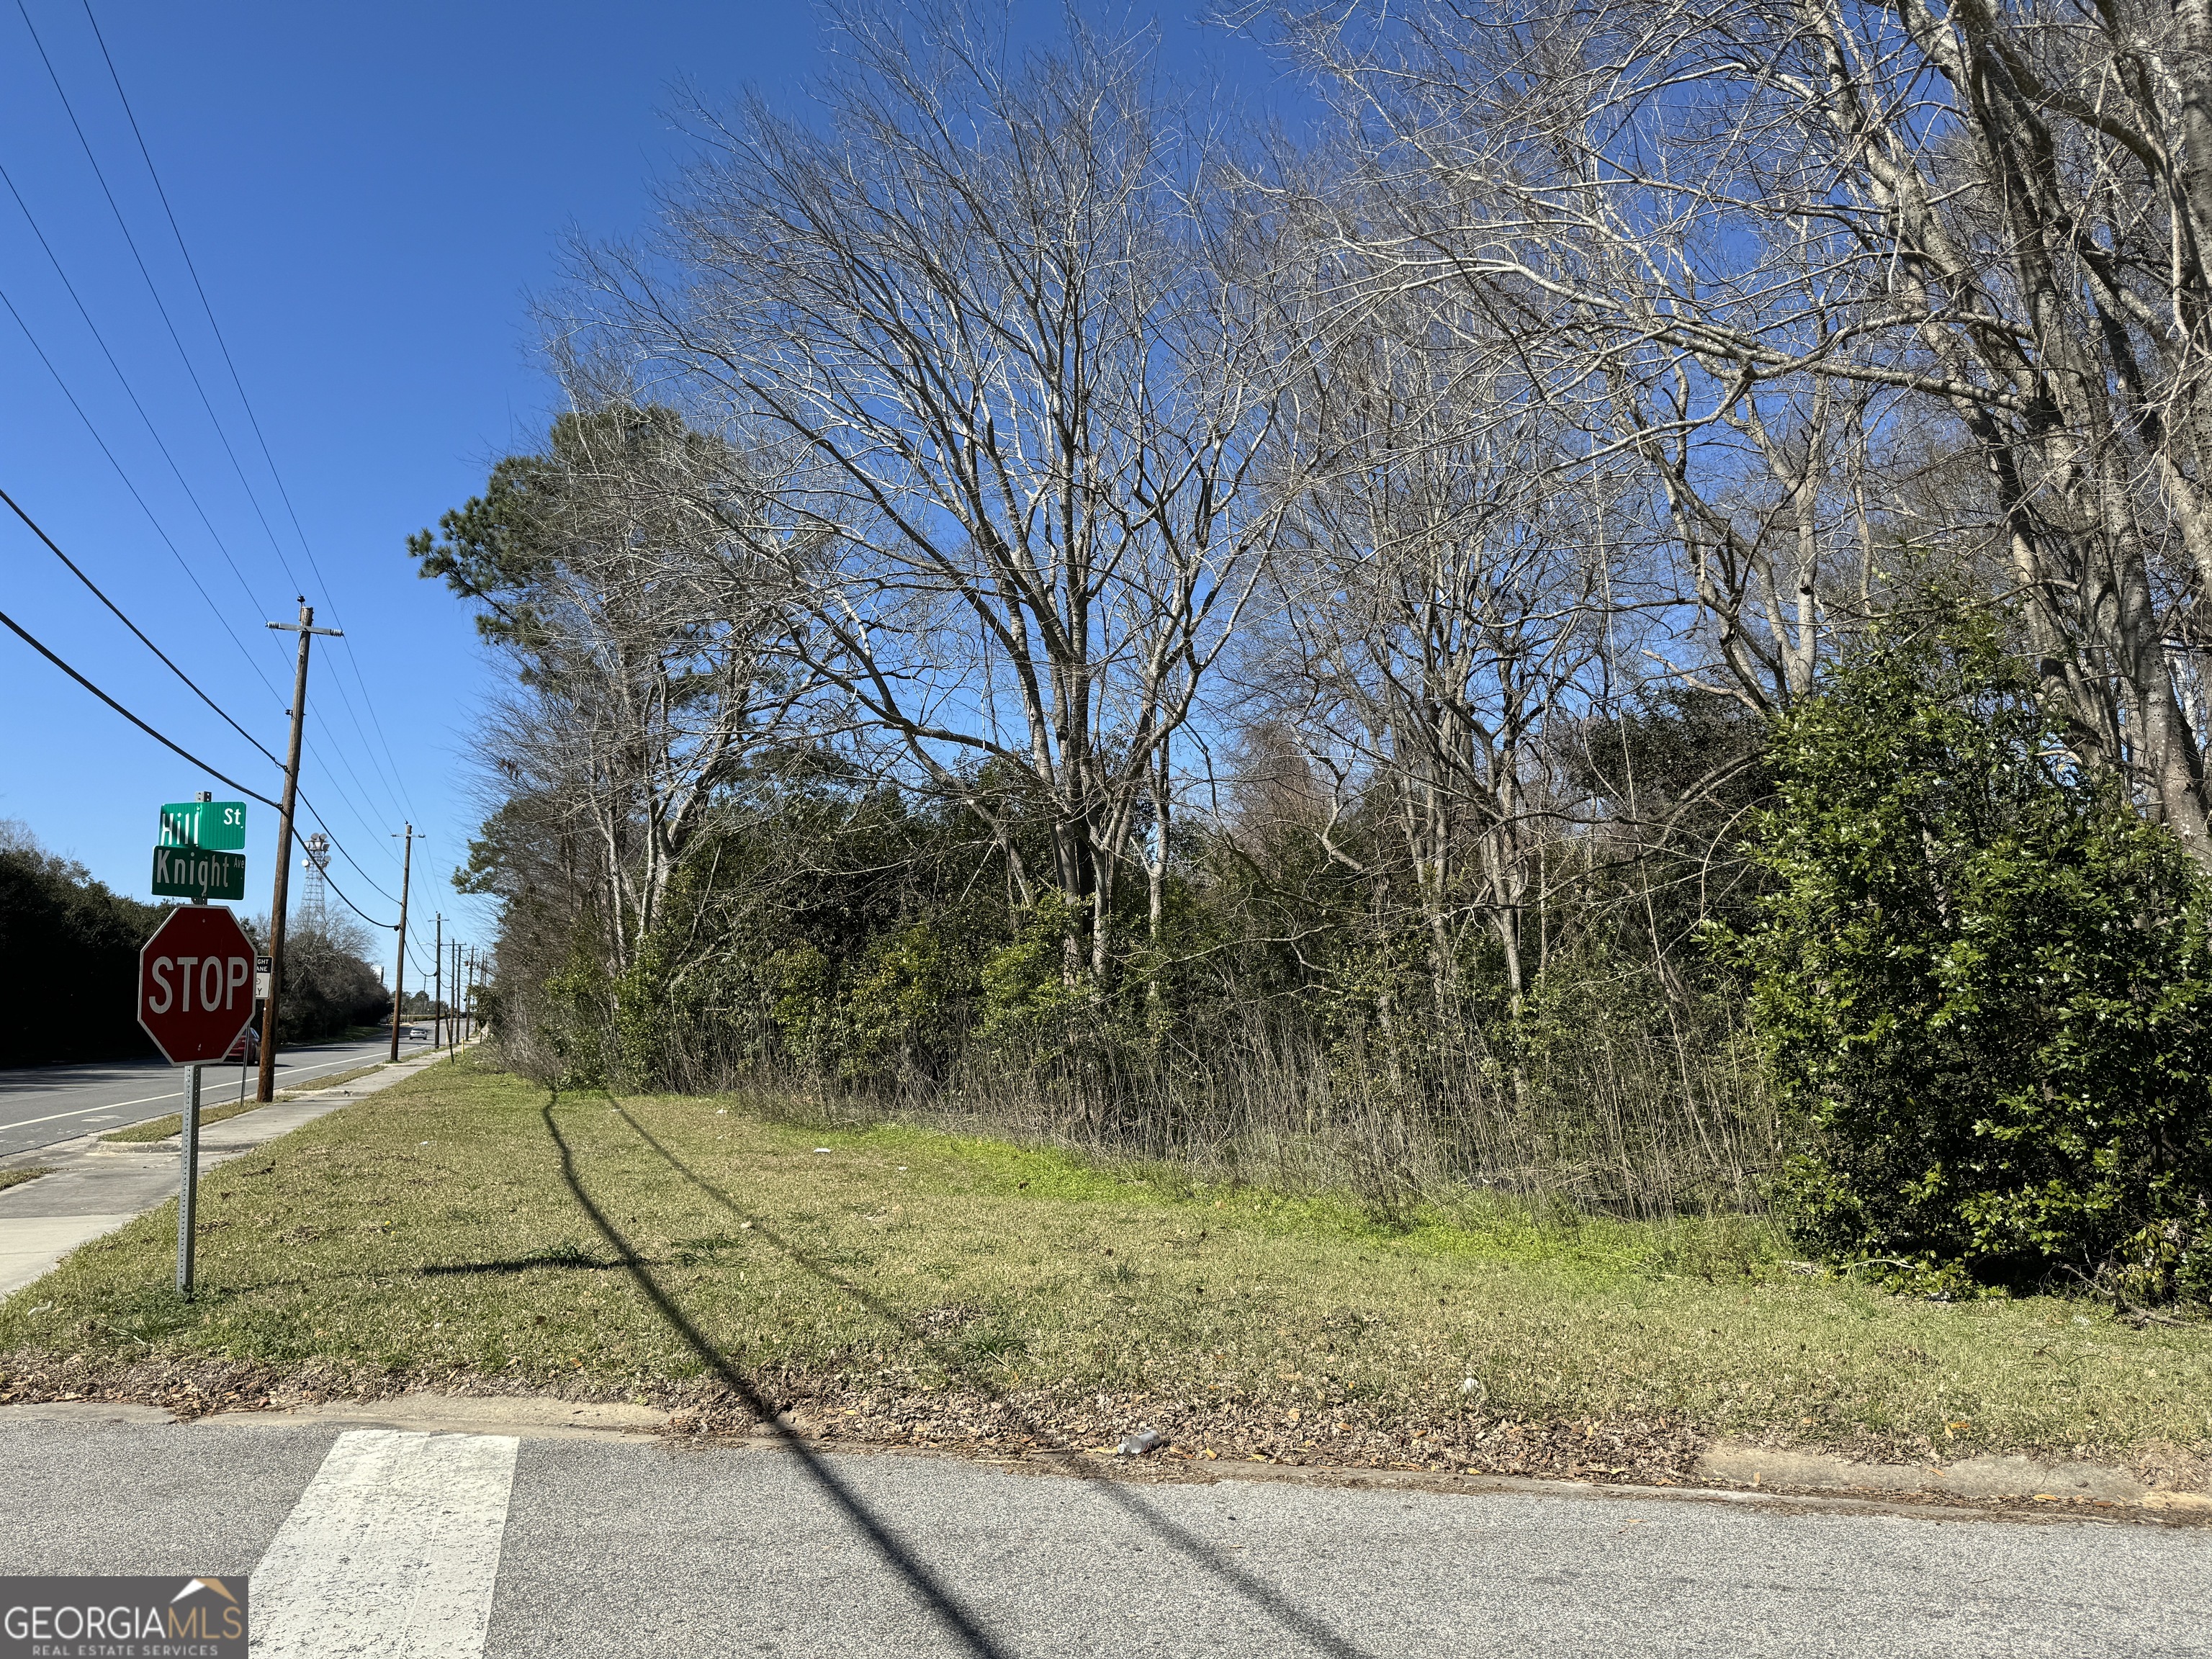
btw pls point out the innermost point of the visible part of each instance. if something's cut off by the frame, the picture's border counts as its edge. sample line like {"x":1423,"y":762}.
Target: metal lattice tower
{"x":317,"y":895}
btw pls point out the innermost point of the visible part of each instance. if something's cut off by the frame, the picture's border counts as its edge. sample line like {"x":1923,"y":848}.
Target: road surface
{"x":368,"y":1541}
{"x":41,"y":1105}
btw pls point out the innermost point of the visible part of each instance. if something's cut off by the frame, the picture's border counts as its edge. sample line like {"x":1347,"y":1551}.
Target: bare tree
{"x":999,"y":306}
{"x":1451,"y":586}
{"x":1992,"y":215}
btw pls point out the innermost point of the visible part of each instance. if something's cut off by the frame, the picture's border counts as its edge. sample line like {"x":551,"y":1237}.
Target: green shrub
{"x":1981,"y":982}
{"x":68,"y":959}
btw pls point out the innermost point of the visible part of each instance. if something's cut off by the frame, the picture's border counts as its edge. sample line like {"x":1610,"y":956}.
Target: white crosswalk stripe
{"x":391,"y":1552}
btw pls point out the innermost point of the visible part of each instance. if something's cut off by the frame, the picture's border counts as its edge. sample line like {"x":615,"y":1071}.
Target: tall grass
{"x":1607,"y":1100}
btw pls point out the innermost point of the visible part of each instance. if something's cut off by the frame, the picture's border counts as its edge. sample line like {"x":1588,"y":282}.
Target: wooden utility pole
{"x":306,"y":629}
{"x":399,"y":973}
{"x":438,"y":983}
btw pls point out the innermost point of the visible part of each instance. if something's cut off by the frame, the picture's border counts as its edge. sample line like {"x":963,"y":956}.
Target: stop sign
{"x":196,"y":984}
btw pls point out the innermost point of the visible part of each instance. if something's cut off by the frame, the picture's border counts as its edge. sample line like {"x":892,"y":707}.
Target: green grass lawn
{"x":17,"y":1177}
{"x":468,"y":1230}
{"x":160,"y":1129}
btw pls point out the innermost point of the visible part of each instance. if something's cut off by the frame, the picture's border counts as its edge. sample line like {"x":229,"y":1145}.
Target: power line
{"x":167,"y":541}
{"x":338,"y":749}
{"x":32,"y":640}
{"x":52,"y":546}
{"x":176,"y":339}
{"x":185,"y":356}
{"x":388,"y":927}
{"x":129,"y":390}
{"x":24,"y":635}
{"x":183,"y":564}
{"x":131,"y":242}
{"x":339,"y":847}
{"x":253,"y":420}
{"x":32,"y":525}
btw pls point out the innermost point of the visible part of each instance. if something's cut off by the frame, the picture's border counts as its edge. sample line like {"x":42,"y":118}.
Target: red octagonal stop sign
{"x":196,"y":984}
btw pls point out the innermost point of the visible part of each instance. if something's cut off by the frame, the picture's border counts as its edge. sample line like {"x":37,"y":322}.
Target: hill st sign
{"x":196,"y":984}
{"x":202,"y":852}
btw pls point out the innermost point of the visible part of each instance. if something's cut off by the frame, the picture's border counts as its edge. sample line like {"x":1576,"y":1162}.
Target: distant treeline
{"x":69,"y":966}
{"x":69,"y":960}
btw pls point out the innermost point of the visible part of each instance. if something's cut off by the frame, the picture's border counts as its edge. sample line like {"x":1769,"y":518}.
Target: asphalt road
{"x":382,"y":1542}
{"x":41,"y":1105}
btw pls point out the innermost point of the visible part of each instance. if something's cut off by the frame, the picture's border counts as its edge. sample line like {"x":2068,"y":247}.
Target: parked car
{"x":247,"y":1049}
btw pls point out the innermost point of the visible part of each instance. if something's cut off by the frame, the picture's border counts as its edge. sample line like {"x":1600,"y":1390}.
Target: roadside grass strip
{"x":467,"y":1230}
{"x":322,"y":1082}
{"x":17,"y":1177}
{"x":164,"y":1128}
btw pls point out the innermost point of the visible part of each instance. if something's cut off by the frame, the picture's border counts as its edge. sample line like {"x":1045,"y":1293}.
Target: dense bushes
{"x":327,"y":985}
{"x":1981,"y":979}
{"x":69,"y":960}
{"x":69,"y":966}
{"x":1287,"y":1020}
{"x":1950,"y":1013}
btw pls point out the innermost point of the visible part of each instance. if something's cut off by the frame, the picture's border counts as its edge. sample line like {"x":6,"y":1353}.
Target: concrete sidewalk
{"x":97,"y":1185}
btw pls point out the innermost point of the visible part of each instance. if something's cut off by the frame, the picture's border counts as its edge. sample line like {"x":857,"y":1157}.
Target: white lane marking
{"x":391,"y":1552}
{"x":83,"y":1111}
{"x":117,"y":1105}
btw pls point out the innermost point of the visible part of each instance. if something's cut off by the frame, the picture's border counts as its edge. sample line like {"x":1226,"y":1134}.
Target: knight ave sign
{"x":196,"y":984}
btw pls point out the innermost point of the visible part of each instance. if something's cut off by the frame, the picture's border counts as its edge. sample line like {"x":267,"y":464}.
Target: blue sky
{"x":369,"y":195}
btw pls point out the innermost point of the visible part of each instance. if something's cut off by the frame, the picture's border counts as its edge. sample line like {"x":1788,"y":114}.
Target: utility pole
{"x":455,"y":1031}
{"x":399,"y":972}
{"x":306,"y":629}
{"x":438,"y":983}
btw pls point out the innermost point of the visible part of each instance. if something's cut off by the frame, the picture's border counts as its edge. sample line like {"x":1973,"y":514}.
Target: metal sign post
{"x":188,"y":1185}
{"x":193,"y":971}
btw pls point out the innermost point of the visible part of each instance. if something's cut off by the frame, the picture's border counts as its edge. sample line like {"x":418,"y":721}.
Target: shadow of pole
{"x":955,"y":1618}
{"x":1254,"y":1589}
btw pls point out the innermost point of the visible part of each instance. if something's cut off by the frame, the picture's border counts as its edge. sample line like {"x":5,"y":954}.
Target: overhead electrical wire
{"x":52,"y":546}
{"x":185,"y":356}
{"x":29,"y":638}
{"x":33,"y":640}
{"x":32,"y":525}
{"x":338,"y":749}
{"x":183,"y":564}
{"x":131,"y":392}
{"x":397,"y":773}
{"x":388,"y":927}
{"x":131,"y":242}
{"x":238,"y":385}
{"x":344,"y":850}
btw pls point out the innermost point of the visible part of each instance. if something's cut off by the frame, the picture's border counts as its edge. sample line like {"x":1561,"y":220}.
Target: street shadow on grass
{"x":954,"y":1617}
{"x":1319,"y":1636}
{"x":561,"y":1255}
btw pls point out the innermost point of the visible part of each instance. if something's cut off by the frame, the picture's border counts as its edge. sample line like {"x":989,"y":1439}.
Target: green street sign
{"x":194,"y":872}
{"x":217,"y":825}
